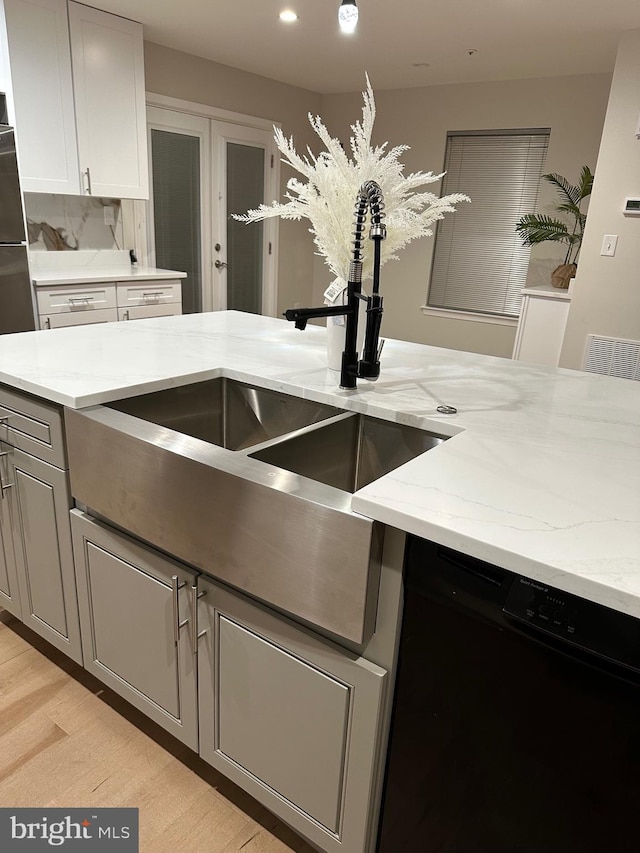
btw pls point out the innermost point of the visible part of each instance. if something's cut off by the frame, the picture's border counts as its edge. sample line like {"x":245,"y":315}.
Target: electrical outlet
{"x":109,"y":215}
{"x":609,"y":243}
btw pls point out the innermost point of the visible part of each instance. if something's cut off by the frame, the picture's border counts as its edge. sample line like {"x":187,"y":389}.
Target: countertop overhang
{"x":101,"y":275}
{"x":541,"y":475}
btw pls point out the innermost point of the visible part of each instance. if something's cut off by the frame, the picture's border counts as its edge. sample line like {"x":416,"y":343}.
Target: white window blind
{"x":479,"y":263}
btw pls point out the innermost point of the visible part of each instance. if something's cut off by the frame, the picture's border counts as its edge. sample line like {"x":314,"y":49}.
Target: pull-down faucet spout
{"x":368,"y":367}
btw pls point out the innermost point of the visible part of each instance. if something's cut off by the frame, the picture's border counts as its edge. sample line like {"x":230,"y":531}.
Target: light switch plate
{"x":609,"y":243}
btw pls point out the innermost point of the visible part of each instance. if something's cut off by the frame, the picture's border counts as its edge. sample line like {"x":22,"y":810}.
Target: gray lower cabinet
{"x":37,"y":578}
{"x":136,"y":610}
{"x":9,"y":593}
{"x":40,"y":501}
{"x":289,"y":717}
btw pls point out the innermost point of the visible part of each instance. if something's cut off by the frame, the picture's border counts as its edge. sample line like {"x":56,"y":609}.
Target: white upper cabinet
{"x":78,"y":84}
{"x":38,"y":33}
{"x":108,"y":76}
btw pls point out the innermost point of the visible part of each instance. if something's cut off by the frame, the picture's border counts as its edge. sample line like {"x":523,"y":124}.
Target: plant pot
{"x":562,"y":275}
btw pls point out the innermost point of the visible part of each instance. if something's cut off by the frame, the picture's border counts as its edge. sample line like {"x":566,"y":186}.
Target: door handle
{"x":220,"y":265}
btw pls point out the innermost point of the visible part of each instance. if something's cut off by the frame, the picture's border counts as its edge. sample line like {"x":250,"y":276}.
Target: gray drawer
{"x":32,"y":426}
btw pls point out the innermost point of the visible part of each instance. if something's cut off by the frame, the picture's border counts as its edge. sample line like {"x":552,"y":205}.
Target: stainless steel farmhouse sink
{"x":350,"y":451}
{"x":251,"y":486}
{"x":225,"y":412}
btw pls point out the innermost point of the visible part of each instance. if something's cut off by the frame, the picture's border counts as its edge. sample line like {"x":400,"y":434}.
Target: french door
{"x":202,"y":172}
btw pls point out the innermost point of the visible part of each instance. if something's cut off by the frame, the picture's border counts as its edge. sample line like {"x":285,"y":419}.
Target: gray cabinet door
{"x":9,"y":595}
{"x":290,"y":718}
{"x":136,"y":608}
{"x":40,"y":503}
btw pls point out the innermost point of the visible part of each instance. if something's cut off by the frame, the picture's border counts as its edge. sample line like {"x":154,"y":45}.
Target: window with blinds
{"x":479,"y":263}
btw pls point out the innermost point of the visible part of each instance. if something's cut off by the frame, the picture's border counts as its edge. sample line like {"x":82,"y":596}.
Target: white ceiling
{"x":513,"y":38}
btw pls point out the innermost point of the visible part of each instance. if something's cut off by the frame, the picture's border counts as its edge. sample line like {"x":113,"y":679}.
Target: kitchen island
{"x":539,"y":475}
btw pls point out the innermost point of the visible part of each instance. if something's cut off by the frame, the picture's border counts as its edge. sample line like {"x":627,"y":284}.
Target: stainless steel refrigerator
{"x":16,"y":300}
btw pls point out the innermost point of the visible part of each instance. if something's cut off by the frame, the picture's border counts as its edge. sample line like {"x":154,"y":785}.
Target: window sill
{"x":445,"y":314}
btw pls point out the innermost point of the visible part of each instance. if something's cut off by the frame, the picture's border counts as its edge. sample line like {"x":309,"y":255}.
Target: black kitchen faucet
{"x":368,"y":367}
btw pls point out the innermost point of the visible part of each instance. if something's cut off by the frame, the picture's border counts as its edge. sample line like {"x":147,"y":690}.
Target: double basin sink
{"x":251,"y":485}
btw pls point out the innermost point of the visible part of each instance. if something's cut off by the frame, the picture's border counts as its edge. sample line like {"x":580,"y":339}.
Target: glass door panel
{"x":175,"y":160}
{"x":245,"y":243}
{"x":244,"y":256}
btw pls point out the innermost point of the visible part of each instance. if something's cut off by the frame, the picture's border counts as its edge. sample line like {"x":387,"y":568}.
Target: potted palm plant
{"x":536,"y":228}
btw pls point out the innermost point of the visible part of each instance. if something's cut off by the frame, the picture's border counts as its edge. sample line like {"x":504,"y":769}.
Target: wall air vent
{"x":612,"y":357}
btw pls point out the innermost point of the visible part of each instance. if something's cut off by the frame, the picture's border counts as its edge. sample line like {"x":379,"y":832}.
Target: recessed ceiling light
{"x":288,"y":15}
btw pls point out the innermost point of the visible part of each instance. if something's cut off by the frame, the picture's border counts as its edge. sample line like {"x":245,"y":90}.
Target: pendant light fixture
{"x":348,"y":16}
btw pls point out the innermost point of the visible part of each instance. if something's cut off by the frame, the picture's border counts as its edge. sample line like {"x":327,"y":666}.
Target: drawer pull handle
{"x":47,"y":323}
{"x":195,"y":636}
{"x":4,"y":422}
{"x":155,"y":295}
{"x":81,"y":300}
{"x":125,"y":316}
{"x":177,"y":624}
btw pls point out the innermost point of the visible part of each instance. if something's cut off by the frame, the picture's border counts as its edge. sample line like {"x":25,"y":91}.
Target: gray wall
{"x":606,"y":293}
{"x":574,"y":109}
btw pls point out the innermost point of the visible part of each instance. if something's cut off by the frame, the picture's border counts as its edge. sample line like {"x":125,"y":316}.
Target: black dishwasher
{"x":516,"y":722}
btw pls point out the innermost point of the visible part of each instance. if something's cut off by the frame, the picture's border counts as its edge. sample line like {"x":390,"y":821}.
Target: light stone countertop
{"x":541,"y":474}
{"x":100,"y":275}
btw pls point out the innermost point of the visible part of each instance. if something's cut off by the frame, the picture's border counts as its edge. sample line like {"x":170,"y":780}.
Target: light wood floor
{"x":68,"y":741}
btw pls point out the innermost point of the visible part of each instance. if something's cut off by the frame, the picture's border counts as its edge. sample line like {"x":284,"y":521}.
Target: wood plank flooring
{"x":68,"y":741}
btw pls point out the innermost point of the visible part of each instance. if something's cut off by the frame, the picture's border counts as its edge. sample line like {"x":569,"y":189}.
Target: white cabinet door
{"x":78,"y":318}
{"x":541,"y":327}
{"x":171,"y":309}
{"x":292,"y":719}
{"x":43,"y":95}
{"x":108,"y":76}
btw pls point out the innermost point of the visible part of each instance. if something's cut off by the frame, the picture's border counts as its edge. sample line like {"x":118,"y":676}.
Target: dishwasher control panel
{"x":555,"y":611}
{"x":593,"y":627}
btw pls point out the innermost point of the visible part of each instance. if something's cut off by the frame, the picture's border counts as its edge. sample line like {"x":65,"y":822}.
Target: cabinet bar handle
{"x":88,"y":174}
{"x":125,"y":316}
{"x":4,"y":420}
{"x":83,"y":299}
{"x":156,"y":294}
{"x":4,"y":486}
{"x":47,"y":323}
{"x":195,"y":636}
{"x":177,"y":624}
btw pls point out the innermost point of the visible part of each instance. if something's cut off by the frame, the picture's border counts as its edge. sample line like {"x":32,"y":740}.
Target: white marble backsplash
{"x":65,"y":224}
{"x":54,"y":262}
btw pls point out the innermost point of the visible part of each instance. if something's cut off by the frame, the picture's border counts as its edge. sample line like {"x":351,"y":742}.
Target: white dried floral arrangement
{"x":328,"y":197}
